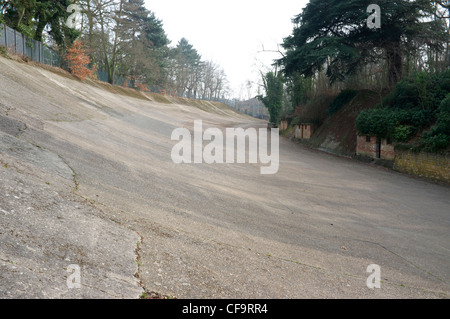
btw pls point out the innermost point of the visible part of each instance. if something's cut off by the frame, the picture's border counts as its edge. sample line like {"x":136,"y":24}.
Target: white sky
{"x":230,"y":32}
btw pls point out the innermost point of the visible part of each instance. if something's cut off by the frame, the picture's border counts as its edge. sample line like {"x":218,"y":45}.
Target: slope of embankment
{"x":337,"y":134}
{"x":54,"y":233}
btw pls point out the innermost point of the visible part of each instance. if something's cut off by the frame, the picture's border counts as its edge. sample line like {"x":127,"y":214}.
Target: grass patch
{"x":3,"y":52}
{"x":288,"y":132}
{"x":159,"y":98}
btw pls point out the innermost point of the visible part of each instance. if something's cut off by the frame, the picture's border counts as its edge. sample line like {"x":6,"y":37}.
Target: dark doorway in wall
{"x":378,"y":150}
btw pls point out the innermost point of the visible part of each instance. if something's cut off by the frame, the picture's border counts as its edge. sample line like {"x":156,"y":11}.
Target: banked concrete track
{"x":86,"y":179}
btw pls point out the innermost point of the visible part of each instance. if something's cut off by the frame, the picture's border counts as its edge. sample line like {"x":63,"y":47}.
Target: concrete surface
{"x":204,"y":231}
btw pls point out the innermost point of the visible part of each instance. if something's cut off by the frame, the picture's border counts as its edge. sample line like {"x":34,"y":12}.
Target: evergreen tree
{"x":273,"y":101}
{"x":186,"y":61}
{"x":334,"y":34}
{"x":30,"y":17}
{"x":142,"y":43}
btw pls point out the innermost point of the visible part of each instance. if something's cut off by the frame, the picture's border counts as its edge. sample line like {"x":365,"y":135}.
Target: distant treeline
{"x":123,"y":39}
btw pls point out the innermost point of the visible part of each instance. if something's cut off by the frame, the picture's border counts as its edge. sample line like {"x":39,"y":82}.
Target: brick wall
{"x":298,"y":131}
{"x":307,"y":131}
{"x":387,"y":150}
{"x":433,"y":166}
{"x":304,"y":131}
{"x":368,"y":146}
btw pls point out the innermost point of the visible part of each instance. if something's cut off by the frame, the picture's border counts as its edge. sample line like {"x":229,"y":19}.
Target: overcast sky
{"x":230,"y":32}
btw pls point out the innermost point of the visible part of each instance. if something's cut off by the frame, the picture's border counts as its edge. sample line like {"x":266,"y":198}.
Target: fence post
{"x":24,"y":45}
{"x":6,"y":36}
{"x":15,"y":42}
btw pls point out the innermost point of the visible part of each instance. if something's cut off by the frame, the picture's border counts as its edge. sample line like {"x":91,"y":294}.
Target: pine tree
{"x":142,"y":42}
{"x":187,"y":63}
{"x":273,"y":101}
{"x":333,"y":34}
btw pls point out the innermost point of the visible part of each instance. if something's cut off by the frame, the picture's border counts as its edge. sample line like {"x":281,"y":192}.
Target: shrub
{"x":403,"y":133}
{"x":439,"y":137}
{"x":414,"y":104}
{"x":376,"y":122}
{"x":434,"y":143}
{"x":420,"y":90}
{"x":3,"y":52}
{"x":418,"y":118}
{"x":398,"y":125}
{"x":405,"y":96}
{"x":78,"y":60}
{"x":443,"y":121}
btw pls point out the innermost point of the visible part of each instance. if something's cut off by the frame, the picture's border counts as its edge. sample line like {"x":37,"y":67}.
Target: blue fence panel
{"x":118,"y":80}
{"x":19,"y":40}
{"x":20,"y":44}
{"x":102,"y":76}
{"x":37,"y":51}
{"x":10,"y":38}
{"x":2,"y":35}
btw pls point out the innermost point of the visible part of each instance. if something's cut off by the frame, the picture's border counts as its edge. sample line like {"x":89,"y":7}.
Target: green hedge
{"x":439,"y":136}
{"x":375,"y":122}
{"x":420,"y":90}
{"x":414,"y":105}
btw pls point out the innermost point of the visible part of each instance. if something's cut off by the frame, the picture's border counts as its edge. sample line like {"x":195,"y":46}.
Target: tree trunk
{"x":39,"y":29}
{"x":116,"y":38}
{"x":21,"y":14}
{"x":105,"y":50}
{"x":395,"y":65}
{"x":90,"y":16}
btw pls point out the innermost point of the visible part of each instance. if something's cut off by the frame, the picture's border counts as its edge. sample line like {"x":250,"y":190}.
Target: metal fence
{"x":122,"y":81}
{"x":18,"y":43}
{"x":103,"y":76}
{"x":35,"y":50}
